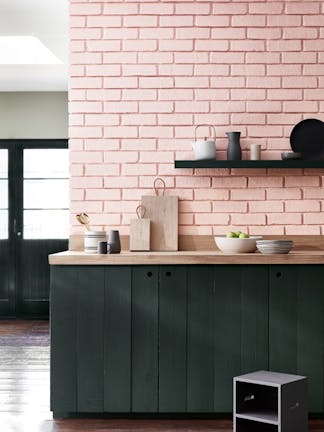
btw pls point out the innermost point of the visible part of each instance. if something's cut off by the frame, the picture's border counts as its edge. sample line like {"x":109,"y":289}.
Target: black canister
{"x":234,"y":151}
{"x":114,"y":242}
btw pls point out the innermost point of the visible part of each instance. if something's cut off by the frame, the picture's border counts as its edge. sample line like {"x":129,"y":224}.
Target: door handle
{"x":18,"y":233}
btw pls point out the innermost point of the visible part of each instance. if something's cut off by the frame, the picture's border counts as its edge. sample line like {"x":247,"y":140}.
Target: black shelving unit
{"x":249,"y":164}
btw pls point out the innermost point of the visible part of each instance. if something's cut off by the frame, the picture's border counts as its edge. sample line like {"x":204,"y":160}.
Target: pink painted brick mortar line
{"x":143,"y":73}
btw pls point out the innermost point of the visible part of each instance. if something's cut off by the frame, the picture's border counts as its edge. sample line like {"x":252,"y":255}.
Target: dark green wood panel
{"x":7,"y":293}
{"x":297,"y":325}
{"x":200,"y":351}
{"x":64,"y":287}
{"x":117,"y":339}
{"x":145,"y":338}
{"x":33,"y":279}
{"x":241,"y":327}
{"x":173,"y":339}
{"x":90,"y":366}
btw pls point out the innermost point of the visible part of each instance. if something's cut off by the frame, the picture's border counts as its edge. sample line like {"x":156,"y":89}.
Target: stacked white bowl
{"x":274,"y":246}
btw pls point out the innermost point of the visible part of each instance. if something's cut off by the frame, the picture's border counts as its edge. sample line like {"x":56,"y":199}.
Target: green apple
{"x":244,"y":235}
{"x":238,"y":233}
{"x":231,"y":234}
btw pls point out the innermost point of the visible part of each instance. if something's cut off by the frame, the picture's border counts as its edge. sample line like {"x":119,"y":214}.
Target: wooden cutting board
{"x":163,"y":213}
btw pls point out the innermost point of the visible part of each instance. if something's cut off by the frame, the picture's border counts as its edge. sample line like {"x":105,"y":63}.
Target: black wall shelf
{"x":249,"y":164}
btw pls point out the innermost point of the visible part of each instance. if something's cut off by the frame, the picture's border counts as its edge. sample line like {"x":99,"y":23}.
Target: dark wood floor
{"x":24,"y":391}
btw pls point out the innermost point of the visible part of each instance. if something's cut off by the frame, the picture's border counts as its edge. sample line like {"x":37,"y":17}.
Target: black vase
{"x":234,"y":151}
{"x":113,"y":242}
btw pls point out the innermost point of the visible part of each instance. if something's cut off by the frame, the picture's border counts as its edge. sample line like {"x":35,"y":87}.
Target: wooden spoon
{"x":84,"y":219}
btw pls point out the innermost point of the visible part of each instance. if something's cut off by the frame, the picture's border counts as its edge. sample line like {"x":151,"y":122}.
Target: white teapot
{"x":205,"y":149}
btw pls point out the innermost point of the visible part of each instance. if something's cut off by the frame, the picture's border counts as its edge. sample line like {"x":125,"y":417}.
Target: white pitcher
{"x":205,"y":149}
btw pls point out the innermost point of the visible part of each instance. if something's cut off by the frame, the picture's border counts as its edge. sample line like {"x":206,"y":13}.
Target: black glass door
{"x":34,"y":221}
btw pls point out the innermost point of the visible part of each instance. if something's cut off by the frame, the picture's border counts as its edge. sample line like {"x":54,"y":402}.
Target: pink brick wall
{"x":143,"y":73}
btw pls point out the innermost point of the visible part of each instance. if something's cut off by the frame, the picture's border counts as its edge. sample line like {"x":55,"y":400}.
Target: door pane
{"x":46,"y":163}
{"x":48,"y":194}
{"x":3,"y":194}
{"x":3,"y":224}
{"x":46,"y":224}
{"x":3,"y":163}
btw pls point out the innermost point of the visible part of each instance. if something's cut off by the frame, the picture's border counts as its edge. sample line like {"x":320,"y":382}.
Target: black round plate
{"x":307,"y":138}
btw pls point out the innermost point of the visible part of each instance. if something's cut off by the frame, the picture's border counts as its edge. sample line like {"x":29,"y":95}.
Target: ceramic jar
{"x":91,"y":239}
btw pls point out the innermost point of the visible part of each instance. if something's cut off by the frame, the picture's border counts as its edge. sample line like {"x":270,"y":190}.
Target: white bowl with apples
{"x":237,"y":242}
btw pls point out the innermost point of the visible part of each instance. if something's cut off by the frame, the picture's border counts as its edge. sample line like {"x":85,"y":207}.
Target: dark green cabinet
{"x":296,"y":326}
{"x":169,"y":339}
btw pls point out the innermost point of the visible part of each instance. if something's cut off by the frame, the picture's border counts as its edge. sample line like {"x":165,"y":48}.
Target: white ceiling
{"x":48,"y":21}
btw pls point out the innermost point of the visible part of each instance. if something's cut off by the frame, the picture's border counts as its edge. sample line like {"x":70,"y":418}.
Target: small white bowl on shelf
{"x":274,"y":246}
{"x":236,"y":245}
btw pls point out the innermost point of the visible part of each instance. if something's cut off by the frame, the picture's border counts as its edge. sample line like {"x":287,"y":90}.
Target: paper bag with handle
{"x":140,"y":231}
{"x":163,"y":212}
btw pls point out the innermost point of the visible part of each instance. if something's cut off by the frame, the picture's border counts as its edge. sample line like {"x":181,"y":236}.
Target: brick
{"x":120,"y":131}
{"x":103,"y":45}
{"x":313,"y":193}
{"x":138,"y":119}
{"x":300,"y":106}
{"x":175,"y":119}
{"x":227,"y":82}
{"x":227,"y":57}
{"x":302,"y":206}
{"x":248,"y":70}
{"x":314,"y":218}
{"x":284,"y":219}
{"x":101,"y":144}
{"x":156,"y":9}
{"x":192,"y":33}
{"x":102,"y":169}
{"x":140,"y":21}
{"x":266,"y":8}
{"x":191,"y":107}
{"x":158,"y":33}
{"x":282,"y":94}
{"x":215,"y":94}
{"x":248,"y":194}
{"x":103,"y":94}
{"x":285,"y":21}
{"x":102,"y":194}
{"x":267,"y":106}
{"x":85,"y":33}
{"x":85,"y":132}
{"x":300,"y":33}
{"x":229,"y":207}
{"x":266,"y":206}
{"x":211,"y":45}
{"x":212,"y":21}
{"x":299,"y":82}
{"x":139,"y":94}
{"x":175,"y":94}
{"x":121,"y":182}
{"x":120,"y":33}
{"x":228,"y":33}
{"x":176,"y":45}
{"x":227,"y":107}
{"x":263,"y":82}
{"x":298,"y":57}
{"x":120,"y":82}
{"x":316,"y":94}
{"x":247,"y":45}
{"x":229,"y":182}
{"x":140,"y":45}
{"x":154,"y":107}
{"x":264,"y":33}
{"x":103,"y":70}
{"x":267,"y":181}
{"x":103,"y":21}
{"x":176,"y":21}
{"x":77,"y":21}
{"x":120,"y":8}
{"x":134,"y":144}
{"x":284,"y":70}
{"x":248,"y":119}
{"x":191,"y":82}
{"x":284,"y":45}
{"x":299,"y":181}
{"x":176,"y":69}
{"x":195,"y":207}
{"x":191,"y":58}
{"x":264,"y":57}
{"x":313,"y":45}
{"x":117,"y":157}
{"x":120,"y":107}
{"x":250,"y":94}
{"x":156,"y":132}
{"x":85,"y":182}
{"x":139,"y":169}
{"x":249,"y":20}
{"x":211,"y":219}
{"x":313,"y":21}
{"x":212,"y":69}
{"x":77,"y":46}
{"x":211,"y":194}
{"x":229,"y":8}
{"x":156,"y":156}
{"x":85,"y":58}
{"x":119,"y":57}
{"x":248,"y":219}
{"x":283,"y":194}
{"x":302,"y":230}
{"x":101,"y":120}
{"x":267,"y":230}
{"x":316,"y":70}
{"x":89,"y":207}
{"x":302,"y":8}
{"x":156,"y":82}
{"x":139,"y":70}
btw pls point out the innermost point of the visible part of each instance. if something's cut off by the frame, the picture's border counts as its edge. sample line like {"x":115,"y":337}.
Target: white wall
{"x":33,"y":115}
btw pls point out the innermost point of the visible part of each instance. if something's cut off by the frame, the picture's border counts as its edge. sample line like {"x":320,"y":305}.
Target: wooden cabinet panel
{"x":145,"y":283}
{"x":90,"y":313}
{"x":117,"y":339}
{"x":173,"y":339}
{"x":200,"y":351}
{"x":63,"y":315}
{"x":296,"y":325}
{"x":240,"y":325}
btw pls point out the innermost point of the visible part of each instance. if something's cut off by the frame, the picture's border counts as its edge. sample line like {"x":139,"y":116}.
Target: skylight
{"x":25,"y":50}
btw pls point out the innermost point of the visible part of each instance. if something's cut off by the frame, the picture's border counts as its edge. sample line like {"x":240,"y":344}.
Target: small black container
{"x":102,"y":247}
{"x":234,"y":151}
{"x":114,"y":242}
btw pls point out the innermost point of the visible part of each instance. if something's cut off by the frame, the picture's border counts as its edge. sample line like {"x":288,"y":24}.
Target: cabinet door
{"x":63,"y":320}
{"x":173,"y":339}
{"x":145,"y":283}
{"x":240,"y":327}
{"x":200,"y":348}
{"x":296,"y":325}
{"x":117,"y":339}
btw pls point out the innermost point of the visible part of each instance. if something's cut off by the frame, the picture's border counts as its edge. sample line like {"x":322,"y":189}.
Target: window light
{"x":25,"y":50}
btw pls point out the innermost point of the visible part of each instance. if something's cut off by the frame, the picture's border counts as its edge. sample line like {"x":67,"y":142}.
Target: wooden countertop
{"x":186,"y":257}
